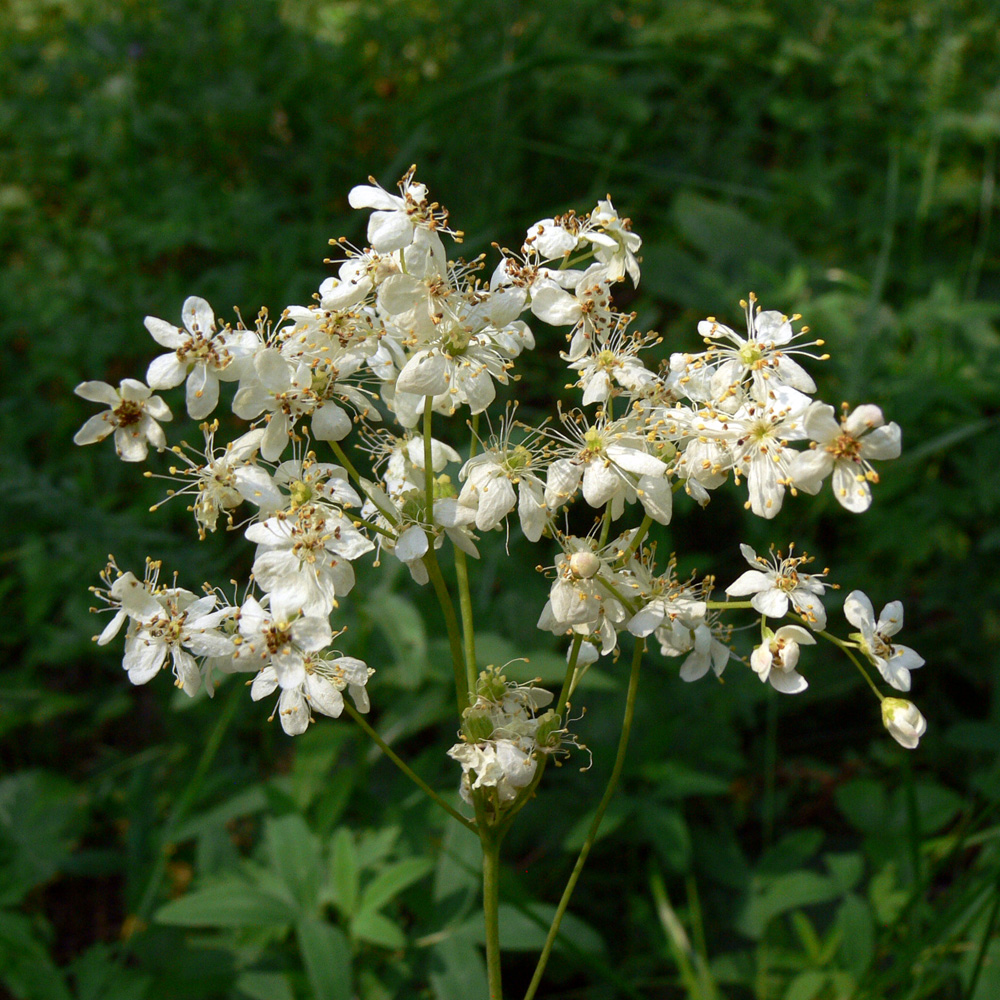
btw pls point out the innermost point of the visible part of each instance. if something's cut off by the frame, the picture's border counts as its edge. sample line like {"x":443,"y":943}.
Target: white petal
{"x":858,"y":610}
{"x":202,"y":392}
{"x":330,"y":423}
{"x":97,"y":428}
{"x":197,"y":316}
{"x":425,"y":374}
{"x":98,"y":392}
{"x":164,"y":333}
{"x":166,"y":371}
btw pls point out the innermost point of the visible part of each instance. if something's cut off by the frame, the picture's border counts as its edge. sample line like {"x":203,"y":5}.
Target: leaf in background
{"x":294,"y":852}
{"x":392,"y":880}
{"x":376,"y":928}
{"x":458,"y":971}
{"x":344,"y":872}
{"x":264,"y":986}
{"x":25,"y":966}
{"x":40,"y":813}
{"x":782,"y":894}
{"x":857,"y":945}
{"x":231,"y":904}
{"x":327,"y":958}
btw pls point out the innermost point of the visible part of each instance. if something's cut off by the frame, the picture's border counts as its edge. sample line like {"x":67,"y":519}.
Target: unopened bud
{"x":477,"y":724}
{"x":549,"y":731}
{"x":903,"y":720}
{"x":584,"y":565}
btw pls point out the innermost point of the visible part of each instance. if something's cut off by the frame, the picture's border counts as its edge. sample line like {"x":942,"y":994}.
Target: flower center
{"x":128,"y":412}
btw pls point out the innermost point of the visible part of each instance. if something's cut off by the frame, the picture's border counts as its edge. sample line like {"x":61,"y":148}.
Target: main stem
{"x":633,"y":687}
{"x":491,"y":909}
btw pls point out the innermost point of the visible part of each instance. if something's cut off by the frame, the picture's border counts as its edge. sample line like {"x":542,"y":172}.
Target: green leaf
{"x":403,"y":625}
{"x":458,"y":971}
{"x":376,"y":928}
{"x":806,"y":985}
{"x":525,"y":929}
{"x":674,"y":780}
{"x":618,"y":811}
{"x":459,"y":864}
{"x":98,"y":974}
{"x":39,"y":815}
{"x":249,"y":801}
{"x":857,"y":946}
{"x":845,"y":869}
{"x":342,"y":886}
{"x":668,"y":832}
{"x":784,"y":893}
{"x":231,"y":904}
{"x":392,"y":880}
{"x":265,"y":986}
{"x":25,"y":965}
{"x":327,"y":958}
{"x":294,"y":853}
{"x":863,"y":803}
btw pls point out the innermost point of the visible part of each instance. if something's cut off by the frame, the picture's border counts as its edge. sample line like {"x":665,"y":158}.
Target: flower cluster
{"x":502,"y":736}
{"x":402,"y":335}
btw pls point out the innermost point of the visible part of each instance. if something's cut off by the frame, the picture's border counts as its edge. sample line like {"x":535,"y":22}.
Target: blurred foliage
{"x":838,"y":157}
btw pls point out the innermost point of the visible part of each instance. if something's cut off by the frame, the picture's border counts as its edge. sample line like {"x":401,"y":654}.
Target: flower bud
{"x":584,"y":565}
{"x":549,"y":732}
{"x":477,"y":724}
{"x":903,"y":720}
{"x":491,"y":686}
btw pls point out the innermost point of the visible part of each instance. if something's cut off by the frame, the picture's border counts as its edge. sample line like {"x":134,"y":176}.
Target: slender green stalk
{"x":474,"y":443}
{"x":404,"y":767}
{"x":451,"y":624}
{"x":491,"y":912}
{"x":574,"y":654}
{"x":468,"y":624}
{"x":605,"y":527}
{"x":633,"y":546}
{"x":633,"y":687}
{"x":389,"y":515}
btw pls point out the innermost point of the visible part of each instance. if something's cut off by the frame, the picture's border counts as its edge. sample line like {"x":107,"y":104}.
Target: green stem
{"x":389,"y":515}
{"x":574,"y":654}
{"x":633,"y":546}
{"x":633,"y":686}
{"x":605,"y":527}
{"x":451,"y":624}
{"x":474,"y":443}
{"x":468,"y":624}
{"x":404,"y":767}
{"x":491,"y":910}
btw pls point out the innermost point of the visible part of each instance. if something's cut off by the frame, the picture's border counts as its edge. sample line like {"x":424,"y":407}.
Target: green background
{"x":837,"y":157}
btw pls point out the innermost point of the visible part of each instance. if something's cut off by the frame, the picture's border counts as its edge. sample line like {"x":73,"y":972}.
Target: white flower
{"x":894,"y":662}
{"x":282,"y":644}
{"x":500,"y":764}
{"x":317,"y":684}
{"x":903,"y":720}
{"x":185,"y":625}
{"x":779,"y":583}
{"x":616,"y":244}
{"x":846,"y":449}
{"x":757,"y":434}
{"x":133,"y":414}
{"x":392,"y":225}
{"x":303,"y":558}
{"x":705,"y":651}
{"x":762,"y":359}
{"x":778,"y":655}
{"x":198,"y":353}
